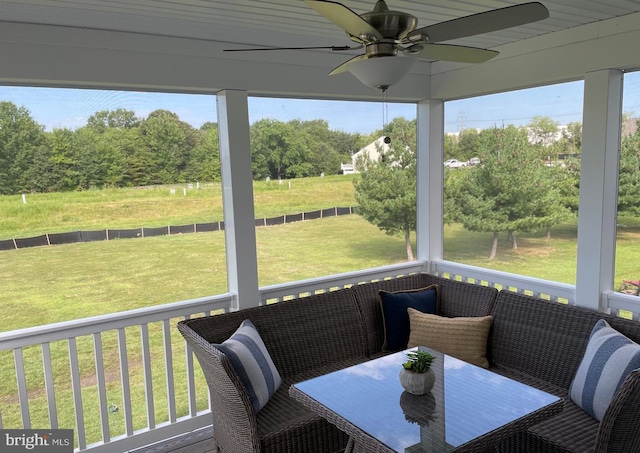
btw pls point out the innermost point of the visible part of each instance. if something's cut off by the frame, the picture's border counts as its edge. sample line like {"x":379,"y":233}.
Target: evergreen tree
{"x":629,"y":179}
{"x":386,"y":190}
{"x":450,"y":146}
{"x":467,"y":144}
{"x":511,"y":191}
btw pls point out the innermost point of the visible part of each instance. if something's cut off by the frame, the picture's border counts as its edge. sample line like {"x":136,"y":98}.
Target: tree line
{"x":528,"y":179}
{"x":116,"y":148}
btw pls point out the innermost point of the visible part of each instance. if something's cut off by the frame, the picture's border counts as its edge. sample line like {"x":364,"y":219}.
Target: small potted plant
{"x":416,"y":375}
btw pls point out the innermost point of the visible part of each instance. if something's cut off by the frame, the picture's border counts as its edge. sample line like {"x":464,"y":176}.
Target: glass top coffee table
{"x":469,"y":408}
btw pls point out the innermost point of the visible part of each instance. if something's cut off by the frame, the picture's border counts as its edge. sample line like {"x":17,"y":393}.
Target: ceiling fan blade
{"x":345,"y":18}
{"x":449,"y":52}
{"x":343,"y":67}
{"x":476,"y":24}
{"x":332,"y":48}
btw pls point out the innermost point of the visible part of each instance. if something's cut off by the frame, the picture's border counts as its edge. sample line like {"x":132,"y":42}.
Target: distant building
{"x":457,"y":133}
{"x":347,"y":169}
{"x":372,"y":150}
{"x":531,"y":135}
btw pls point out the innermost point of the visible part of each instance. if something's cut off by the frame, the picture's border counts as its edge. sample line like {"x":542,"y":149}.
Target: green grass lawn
{"x":156,"y":206}
{"x":550,"y":259}
{"x":125,"y":274}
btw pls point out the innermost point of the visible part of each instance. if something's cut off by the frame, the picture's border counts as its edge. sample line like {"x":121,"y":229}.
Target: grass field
{"x":157,"y":206}
{"x":134,"y":273}
{"x":49,"y":284}
{"x":126,"y":274}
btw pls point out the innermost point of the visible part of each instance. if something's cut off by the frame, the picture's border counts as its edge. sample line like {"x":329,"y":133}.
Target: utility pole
{"x":461,"y":118}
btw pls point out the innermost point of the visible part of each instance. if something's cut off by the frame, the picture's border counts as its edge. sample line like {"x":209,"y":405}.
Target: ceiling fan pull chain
{"x":385,"y":115}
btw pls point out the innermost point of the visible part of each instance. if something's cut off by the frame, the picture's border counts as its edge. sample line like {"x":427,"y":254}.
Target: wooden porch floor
{"x":194,"y":442}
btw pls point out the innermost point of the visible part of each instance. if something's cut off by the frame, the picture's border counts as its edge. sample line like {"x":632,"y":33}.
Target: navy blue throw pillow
{"x":395,"y":317}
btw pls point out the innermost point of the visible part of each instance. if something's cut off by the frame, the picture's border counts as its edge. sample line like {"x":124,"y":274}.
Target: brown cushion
{"x":464,"y":337}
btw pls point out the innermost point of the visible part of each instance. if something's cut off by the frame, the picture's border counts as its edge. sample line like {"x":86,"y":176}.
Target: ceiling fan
{"x":387,"y":33}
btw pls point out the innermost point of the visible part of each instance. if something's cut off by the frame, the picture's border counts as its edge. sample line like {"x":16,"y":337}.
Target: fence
{"x":111,"y":234}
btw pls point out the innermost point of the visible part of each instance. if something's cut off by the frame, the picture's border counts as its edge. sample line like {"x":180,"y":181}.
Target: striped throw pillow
{"x":608,"y":359}
{"x":251,"y":360}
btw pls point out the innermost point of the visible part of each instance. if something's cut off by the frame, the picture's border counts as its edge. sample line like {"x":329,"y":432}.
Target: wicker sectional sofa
{"x":542,"y":343}
{"x":532,"y":340}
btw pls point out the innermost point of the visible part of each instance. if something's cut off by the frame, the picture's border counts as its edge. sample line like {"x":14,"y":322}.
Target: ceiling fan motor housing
{"x":381,"y":49}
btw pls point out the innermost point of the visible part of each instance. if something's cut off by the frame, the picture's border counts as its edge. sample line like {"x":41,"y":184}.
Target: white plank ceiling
{"x":289,"y":22}
{"x":163,"y":37}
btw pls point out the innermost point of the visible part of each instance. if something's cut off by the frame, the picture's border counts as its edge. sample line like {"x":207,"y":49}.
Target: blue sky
{"x":70,"y":108}
{"x":562,"y":103}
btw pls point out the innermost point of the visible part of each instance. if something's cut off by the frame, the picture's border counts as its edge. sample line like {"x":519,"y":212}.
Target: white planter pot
{"x":417,"y":383}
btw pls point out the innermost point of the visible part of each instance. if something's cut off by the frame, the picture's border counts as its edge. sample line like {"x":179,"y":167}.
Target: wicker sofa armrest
{"x":619,"y":431}
{"x":234,"y":418}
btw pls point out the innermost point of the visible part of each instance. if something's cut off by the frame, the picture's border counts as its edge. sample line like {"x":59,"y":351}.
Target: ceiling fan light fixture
{"x":381,"y":72}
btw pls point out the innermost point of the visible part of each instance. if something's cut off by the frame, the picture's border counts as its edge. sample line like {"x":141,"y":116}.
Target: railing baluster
{"x":148,"y":379}
{"x":124,"y":380}
{"x":191,"y":384}
{"x":22,"y":388}
{"x":49,"y":387}
{"x":76,"y":388}
{"x":102,"y":387}
{"x":206,"y":386}
{"x":168,"y":360}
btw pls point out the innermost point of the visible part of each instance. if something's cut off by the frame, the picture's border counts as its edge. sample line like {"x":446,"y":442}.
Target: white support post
{"x":237,"y":198}
{"x":598,"y":186}
{"x":430,"y":180}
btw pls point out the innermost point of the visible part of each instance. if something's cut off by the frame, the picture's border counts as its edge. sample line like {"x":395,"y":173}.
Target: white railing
{"x":91,"y":364}
{"x":616,"y":303}
{"x":625,"y":305}
{"x":558,"y":292}
{"x":77,"y":371}
{"x":301,"y":288}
